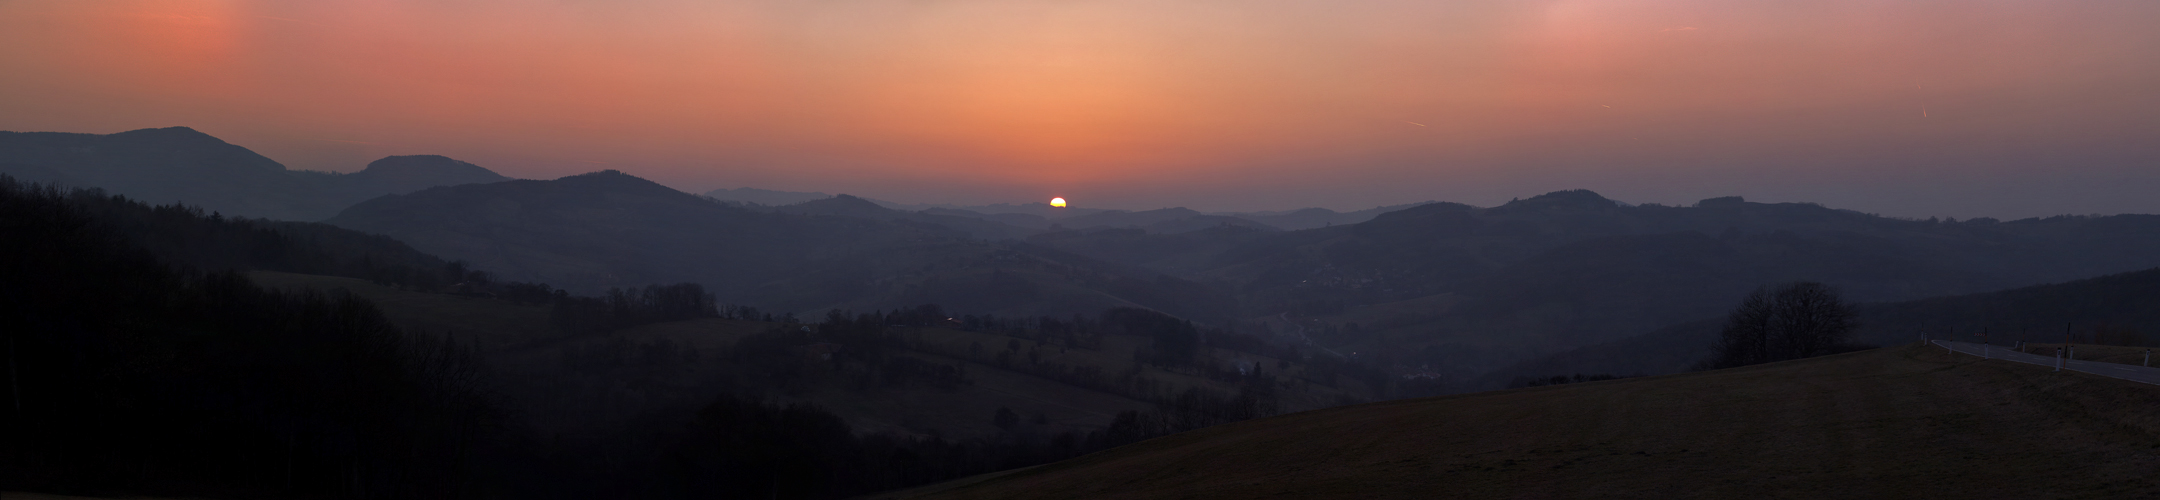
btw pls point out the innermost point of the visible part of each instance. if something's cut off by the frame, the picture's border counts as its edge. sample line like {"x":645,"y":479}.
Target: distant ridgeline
{"x":2117,"y":309}
{"x":179,"y":164}
{"x":608,"y":229}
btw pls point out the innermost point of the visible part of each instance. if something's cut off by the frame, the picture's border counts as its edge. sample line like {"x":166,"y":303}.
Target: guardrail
{"x":2064,"y":359}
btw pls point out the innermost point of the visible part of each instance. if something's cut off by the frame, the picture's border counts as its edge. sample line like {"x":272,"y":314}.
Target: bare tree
{"x":1789,"y":321}
{"x":1745,"y":339}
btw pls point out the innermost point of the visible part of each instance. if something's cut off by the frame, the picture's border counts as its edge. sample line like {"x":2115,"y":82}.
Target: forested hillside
{"x":127,"y":373}
{"x":179,"y":164}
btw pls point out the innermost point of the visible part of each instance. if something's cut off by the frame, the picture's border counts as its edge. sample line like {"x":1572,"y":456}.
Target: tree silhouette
{"x":1789,"y":321}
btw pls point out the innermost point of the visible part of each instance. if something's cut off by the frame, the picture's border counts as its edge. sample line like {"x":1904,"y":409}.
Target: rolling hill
{"x":179,"y":164}
{"x":1906,"y":421}
{"x":1438,"y":288}
{"x":1161,"y":221}
{"x":608,"y":229}
{"x":1313,"y":218}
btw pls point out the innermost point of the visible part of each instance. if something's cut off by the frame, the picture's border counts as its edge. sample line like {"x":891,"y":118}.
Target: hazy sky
{"x":1914,"y":108}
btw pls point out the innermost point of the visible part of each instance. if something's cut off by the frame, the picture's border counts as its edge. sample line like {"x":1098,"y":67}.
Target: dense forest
{"x":127,"y":373}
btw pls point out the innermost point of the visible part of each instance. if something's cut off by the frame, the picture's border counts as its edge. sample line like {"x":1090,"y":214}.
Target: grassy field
{"x":1896,"y":422}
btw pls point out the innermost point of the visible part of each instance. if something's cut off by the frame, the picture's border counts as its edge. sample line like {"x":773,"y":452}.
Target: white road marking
{"x":2141,"y":374}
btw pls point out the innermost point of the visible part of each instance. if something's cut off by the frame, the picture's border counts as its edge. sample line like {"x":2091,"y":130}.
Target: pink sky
{"x":1917,"y":108}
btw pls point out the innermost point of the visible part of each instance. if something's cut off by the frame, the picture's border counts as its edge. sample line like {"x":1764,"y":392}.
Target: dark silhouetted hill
{"x":764,"y":196}
{"x":843,"y":205}
{"x":179,"y":164}
{"x":1161,"y":221}
{"x":1310,"y":218}
{"x":607,"y":229}
{"x":1018,"y":220}
{"x":405,"y":174}
{"x":850,"y":206}
{"x":1043,"y":210}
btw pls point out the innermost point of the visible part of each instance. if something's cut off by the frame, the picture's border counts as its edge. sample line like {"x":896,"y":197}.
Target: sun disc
{"x":1057,"y":202}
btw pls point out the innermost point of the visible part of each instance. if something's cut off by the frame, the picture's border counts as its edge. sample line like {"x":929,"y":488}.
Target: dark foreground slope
{"x":1897,"y":422}
{"x":129,"y":371}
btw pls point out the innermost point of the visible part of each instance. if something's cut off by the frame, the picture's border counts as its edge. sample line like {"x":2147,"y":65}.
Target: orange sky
{"x":2030,"y":107}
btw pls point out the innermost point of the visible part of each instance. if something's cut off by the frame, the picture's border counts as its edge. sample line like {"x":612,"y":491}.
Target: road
{"x":2126,"y":372}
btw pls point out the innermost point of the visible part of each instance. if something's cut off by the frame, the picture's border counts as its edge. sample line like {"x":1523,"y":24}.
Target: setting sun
{"x":1057,"y":202}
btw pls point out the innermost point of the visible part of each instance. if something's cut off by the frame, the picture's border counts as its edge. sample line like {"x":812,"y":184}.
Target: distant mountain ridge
{"x":1309,"y":218}
{"x":405,"y":174}
{"x":1287,"y":220}
{"x":179,"y":164}
{"x":608,"y":229}
{"x":1167,"y":220}
{"x":1460,"y":289}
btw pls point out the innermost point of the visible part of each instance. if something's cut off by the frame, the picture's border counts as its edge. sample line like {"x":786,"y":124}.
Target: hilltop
{"x":1907,"y":421}
{"x":1310,"y":218}
{"x":180,"y":164}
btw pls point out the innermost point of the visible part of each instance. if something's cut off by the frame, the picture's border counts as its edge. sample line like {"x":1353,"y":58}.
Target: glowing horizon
{"x":2004,"y":109}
